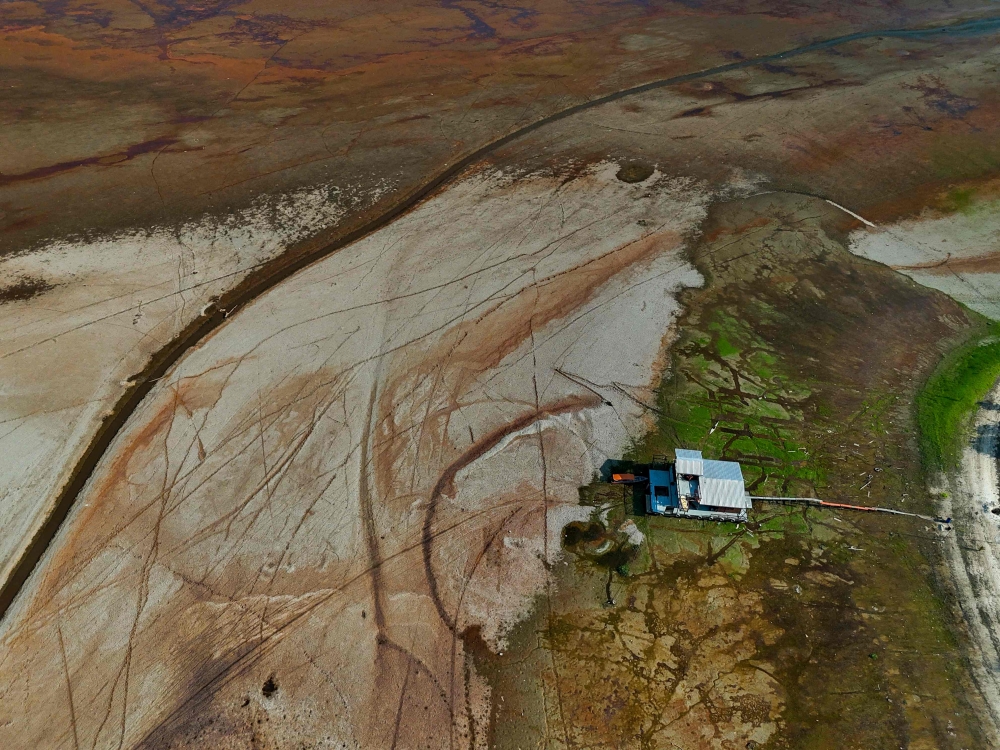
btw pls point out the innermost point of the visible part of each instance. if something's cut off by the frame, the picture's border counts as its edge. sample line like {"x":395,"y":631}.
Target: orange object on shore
{"x":844,"y":505}
{"x":623,"y":477}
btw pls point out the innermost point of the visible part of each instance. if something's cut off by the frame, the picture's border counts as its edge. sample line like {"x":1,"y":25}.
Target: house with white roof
{"x":696,"y":487}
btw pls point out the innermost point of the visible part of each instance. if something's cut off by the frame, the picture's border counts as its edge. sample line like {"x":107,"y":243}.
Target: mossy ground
{"x":949,"y":397}
{"x":804,"y":628}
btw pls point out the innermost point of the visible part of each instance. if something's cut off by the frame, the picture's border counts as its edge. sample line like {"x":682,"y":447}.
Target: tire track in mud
{"x":368,"y":521}
{"x":239,"y":663}
{"x":274,"y":272}
{"x":445,"y":484}
{"x":376,"y":563}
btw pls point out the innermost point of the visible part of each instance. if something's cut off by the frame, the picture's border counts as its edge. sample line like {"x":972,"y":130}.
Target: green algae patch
{"x":805,"y":627}
{"x":960,"y":200}
{"x":801,"y":362}
{"x":950,"y":396}
{"x":727,"y":395}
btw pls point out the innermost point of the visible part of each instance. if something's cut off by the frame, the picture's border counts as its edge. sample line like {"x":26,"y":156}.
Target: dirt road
{"x":973,"y":550}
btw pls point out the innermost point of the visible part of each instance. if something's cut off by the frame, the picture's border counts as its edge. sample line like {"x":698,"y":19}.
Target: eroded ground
{"x":351,"y":516}
{"x":379,"y":376}
{"x":159,"y":154}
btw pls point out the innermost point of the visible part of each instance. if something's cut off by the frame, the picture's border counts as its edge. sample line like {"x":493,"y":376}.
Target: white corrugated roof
{"x":688,"y":461}
{"x":722,"y":485}
{"x":723,"y":470}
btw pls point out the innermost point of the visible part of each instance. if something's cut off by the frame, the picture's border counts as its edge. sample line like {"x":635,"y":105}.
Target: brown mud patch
{"x":22,"y":289}
{"x":592,"y":541}
{"x":801,"y":361}
{"x":801,"y":629}
{"x":987,"y":263}
{"x":218,"y":107}
{"x":635,"y":171}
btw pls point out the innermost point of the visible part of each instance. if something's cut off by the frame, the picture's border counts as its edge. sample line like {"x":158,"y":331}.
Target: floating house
{"x":695,"y":487}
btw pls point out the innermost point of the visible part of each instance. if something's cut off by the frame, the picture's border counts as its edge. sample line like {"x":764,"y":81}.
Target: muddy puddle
{"x":611,"y":551}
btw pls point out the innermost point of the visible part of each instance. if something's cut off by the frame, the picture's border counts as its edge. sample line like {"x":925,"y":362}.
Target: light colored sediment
{"x":114,"y":301}
{"x":957,"y":253}
{"x":973,"y":550}
{"x":370,"y":460}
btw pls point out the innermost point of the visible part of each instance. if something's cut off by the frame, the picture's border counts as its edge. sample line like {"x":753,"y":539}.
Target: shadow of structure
{"x":633,"y":494}
{"x":638,"y":492}
{"x":986,"y":439}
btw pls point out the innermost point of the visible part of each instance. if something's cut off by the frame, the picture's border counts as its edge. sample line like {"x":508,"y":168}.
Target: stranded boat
{"x":696,"y":487}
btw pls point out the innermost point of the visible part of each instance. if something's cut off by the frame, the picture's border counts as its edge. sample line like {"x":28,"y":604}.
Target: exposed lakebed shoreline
{"x":365,"y":484}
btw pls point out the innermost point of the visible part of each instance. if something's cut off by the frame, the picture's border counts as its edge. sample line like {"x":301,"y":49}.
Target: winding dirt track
{"x":280,"y":269}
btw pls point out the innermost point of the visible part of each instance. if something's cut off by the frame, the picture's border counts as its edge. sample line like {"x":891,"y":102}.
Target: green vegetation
{"x":960,"y":200}
{"x":728,"y":395}
{"x":949,"y":397}
{"x":801,"y":362}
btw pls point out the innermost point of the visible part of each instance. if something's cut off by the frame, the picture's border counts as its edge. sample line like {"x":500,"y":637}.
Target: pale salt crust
{"x":922,"y":247}
{"x":65,"y":354}
{"x":346,"y":393}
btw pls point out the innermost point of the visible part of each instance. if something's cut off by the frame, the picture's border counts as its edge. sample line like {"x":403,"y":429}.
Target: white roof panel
{"x":723,"y":470}
{"x":722,"y":485}
{"x":688,"y":461}
{"x":723,"y":493}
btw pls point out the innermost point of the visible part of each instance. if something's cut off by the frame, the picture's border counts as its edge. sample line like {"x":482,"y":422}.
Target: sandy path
{"x":973,"y":551}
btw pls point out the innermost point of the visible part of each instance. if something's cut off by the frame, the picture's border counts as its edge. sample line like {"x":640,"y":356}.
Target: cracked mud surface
{"x":192,"y":107}
{"x":802,"y":628}
{"x":340,"y":520}
{"x":422,"y":432}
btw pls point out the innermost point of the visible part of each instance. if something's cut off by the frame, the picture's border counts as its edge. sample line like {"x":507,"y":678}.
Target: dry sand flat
{"x":958,"y":253}
{"x":369,"y":464}
{"x":100,"y":308}
{"x":376,"y":457}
